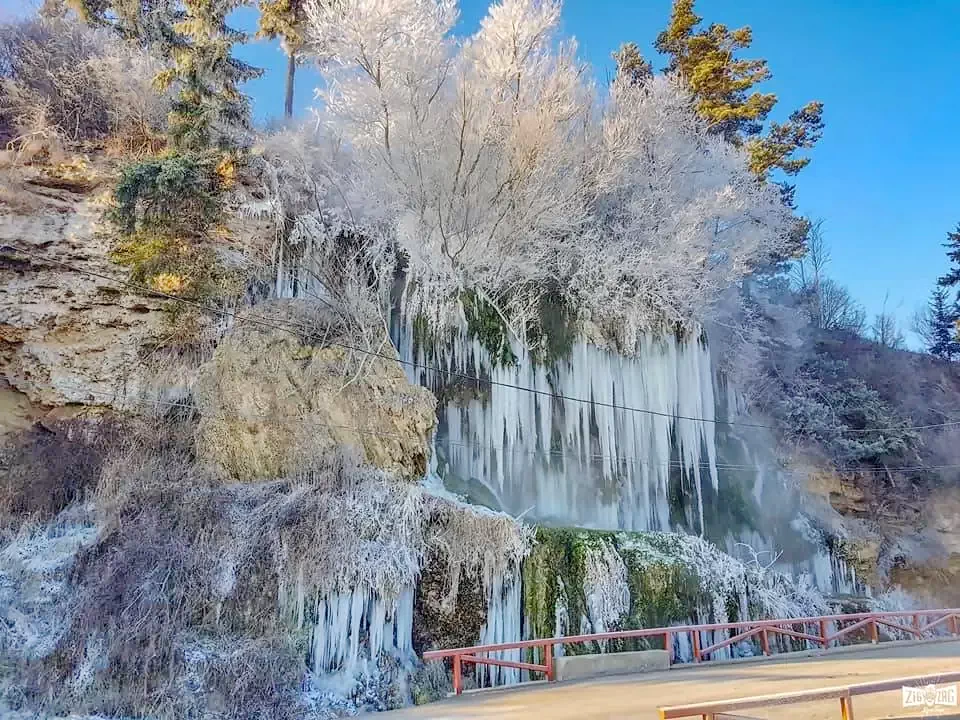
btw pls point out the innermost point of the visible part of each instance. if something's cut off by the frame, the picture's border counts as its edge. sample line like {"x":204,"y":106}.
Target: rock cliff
{"x":67,"y":339}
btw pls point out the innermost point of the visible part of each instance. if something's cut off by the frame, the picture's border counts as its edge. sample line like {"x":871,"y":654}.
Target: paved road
{"x":638,"y":696}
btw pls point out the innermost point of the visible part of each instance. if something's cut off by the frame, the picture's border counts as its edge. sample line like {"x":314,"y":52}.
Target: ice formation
{"x":343,"y":618}
{"x":502,"y":626}
{"x":554,"y":459}
{"x":605,"y":584}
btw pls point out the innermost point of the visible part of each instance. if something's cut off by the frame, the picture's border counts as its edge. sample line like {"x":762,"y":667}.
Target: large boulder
{"x":272,"y":398}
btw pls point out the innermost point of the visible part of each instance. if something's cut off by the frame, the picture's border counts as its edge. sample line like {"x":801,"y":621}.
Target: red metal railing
{"x":921,"y":622}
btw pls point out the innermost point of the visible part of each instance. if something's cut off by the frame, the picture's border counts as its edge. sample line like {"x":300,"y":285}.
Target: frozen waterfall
{"x":558,"y":460}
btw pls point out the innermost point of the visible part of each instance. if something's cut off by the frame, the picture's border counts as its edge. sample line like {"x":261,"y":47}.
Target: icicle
{"x":590,"y":464}
{"x":344,"y":617}
{"x":502,"y":626}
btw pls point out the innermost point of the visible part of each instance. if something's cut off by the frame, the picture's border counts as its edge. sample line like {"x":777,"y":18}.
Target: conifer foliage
{"x":942,"y":341}
{"x":208,"y":76}
{"x":938,"y":323}
{"x":725,"y":95}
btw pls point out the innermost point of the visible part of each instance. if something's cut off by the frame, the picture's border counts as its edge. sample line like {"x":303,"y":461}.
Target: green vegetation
{"x":555,"y":570}
{"x":723,"y":88}
{"x":485,"y":324}
{"x":177,"y":192}
{"x":166,"y":208}
{"x":664,"y":589}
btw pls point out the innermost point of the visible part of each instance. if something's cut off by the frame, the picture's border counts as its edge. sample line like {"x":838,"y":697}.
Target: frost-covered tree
{"x":630,"y":62}
{"x":826,"y":405}
{"x":492,"y":167}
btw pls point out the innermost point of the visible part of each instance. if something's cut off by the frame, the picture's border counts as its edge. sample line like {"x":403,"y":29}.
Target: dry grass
{"x":46,"y":468}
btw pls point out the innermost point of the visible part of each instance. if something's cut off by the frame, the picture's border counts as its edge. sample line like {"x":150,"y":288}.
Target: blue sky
{"x":884,"y":177}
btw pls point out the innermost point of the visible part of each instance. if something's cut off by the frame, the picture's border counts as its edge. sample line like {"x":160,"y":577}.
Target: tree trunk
{"x":291,"y":69}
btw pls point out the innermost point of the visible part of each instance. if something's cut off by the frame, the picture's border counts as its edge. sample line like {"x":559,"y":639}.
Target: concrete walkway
{"x":639,"y":696}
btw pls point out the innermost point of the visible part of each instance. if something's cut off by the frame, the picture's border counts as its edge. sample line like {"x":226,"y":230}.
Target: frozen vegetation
{"x":586,"y":280}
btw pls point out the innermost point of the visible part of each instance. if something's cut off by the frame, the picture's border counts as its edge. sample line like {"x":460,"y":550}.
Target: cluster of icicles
{"x":554,"y":458}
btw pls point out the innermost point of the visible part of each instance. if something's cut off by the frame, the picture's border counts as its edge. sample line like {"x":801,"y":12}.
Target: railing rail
{"x":717,"y":709}
{"x":922,"y":622}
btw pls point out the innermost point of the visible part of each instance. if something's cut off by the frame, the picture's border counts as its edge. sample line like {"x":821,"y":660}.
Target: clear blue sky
{"x":884,"y":177}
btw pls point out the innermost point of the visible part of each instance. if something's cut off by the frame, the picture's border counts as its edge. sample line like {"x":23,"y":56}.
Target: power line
{"x":144,"y":400}
{"x":285,"y":325}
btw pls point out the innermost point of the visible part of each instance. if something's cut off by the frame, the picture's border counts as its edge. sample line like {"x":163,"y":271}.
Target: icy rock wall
{"x":600,"y":581}
{"x":562,"y":461}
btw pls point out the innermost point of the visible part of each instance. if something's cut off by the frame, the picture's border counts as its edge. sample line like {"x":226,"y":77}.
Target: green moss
{"x":485,"y":324}
{"x":556,"y":564}
{"x":551,"y":339}
{"x":662,"y":591}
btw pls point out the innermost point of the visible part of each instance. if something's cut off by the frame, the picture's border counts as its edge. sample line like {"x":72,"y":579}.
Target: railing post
{"x":764,"y":642}
{"x":874,"y":632}
{"x":668,"y":646}
{"x":846,"y":708}
{"x":823,"y":634}
{"x":696,"y":645}
{"x":548,"y":660}
{"x":457,"y":679}
{"x":953,"y":624}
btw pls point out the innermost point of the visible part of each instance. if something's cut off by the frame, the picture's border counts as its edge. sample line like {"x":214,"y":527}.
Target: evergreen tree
{"x":284,"y":19}
{"x":724,"y":91}
{"x":942,"y":340}
{"x":149,"y":22}
{"x":208,"y":76}
{"x":952,"y":278}
{"x":631,"y":63}
{"x":195,"y":36}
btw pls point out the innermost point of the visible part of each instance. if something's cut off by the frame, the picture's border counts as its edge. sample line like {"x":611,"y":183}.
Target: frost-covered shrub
{"x":64,"y":80}
{"x":825,"y":404}
{"x":199,"y":598}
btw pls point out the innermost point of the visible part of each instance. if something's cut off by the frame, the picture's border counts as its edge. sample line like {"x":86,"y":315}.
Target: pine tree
{"x":952,"y":278}
{"x":724,"y":91}
{"x":149,"y":22}
{"x":631,"y":63}
{"x":942,"y":340}
{"x":284,"y":19}
{"x":209,"y":77}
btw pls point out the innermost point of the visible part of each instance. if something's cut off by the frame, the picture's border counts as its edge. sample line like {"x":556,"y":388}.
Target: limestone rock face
{"x":65,"y":337}
{"x":270,"y":401}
